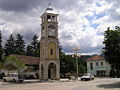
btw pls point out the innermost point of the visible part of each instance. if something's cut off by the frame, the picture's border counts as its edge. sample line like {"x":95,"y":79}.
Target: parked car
{"x":29,"y":77}
{"x":87,"y":76}
{"x":14,"y":77}
{"x":72,"y":78}
{"x":2,"y":75}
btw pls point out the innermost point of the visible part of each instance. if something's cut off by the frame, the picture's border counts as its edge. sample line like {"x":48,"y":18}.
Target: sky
{"x":81,"y":22}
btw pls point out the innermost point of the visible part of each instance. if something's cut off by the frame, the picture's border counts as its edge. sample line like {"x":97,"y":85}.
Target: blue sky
{"x":81,"y":22}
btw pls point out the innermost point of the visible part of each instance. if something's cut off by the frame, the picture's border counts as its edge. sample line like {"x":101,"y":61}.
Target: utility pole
{"x":76,"y":54}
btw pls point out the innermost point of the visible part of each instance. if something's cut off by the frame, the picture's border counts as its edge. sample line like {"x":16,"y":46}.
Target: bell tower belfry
{"x":49,"y":65}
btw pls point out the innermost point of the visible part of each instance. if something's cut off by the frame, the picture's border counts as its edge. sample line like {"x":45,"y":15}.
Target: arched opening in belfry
{"x":52,"y":71}
{"x":42,"y":71}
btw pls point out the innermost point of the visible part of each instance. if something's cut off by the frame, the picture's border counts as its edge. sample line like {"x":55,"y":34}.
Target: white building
{"x":98,"y":66}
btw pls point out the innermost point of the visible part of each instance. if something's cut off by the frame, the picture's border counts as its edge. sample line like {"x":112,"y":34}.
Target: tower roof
{"x":50,"y":10}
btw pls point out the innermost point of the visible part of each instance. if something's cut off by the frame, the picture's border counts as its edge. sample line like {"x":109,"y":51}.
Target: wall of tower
{"x":49,"y":65}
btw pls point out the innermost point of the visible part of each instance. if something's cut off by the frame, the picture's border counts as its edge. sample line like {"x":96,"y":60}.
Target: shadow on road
{"x":35,"y":81}
{"x":113,"y":85}
{"x":24,"y":82}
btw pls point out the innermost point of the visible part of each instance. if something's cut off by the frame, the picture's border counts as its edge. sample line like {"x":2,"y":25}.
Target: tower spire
{"x":49,"y":3}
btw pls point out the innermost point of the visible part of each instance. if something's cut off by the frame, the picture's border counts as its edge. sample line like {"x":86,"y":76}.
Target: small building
{"x":32,"y":63}
{"x":98,"y":66}
{"x":31,"y":69}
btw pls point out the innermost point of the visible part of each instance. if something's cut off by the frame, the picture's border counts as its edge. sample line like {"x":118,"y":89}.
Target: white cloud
{"x":75,"y":30}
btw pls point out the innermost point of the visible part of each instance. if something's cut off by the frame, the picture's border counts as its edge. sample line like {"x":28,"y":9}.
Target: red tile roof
{"x":95,"y":58}
{"x":27,"y":59}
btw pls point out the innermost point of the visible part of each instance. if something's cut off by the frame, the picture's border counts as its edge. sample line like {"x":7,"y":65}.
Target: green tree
{"x":38,"y":49}
{"x":67,"y":65}
{"x":10,"y":46}
{"x":112,"y":48}
{"x":35,"y":46}
{"x":29,"y":50}
{"x":11,"y":63}
{"x":1,"y":65}
{"x":19,"y":45}
{"x":0,"y":45}
{"x":81,"y":65}
{"x":33,"y":49}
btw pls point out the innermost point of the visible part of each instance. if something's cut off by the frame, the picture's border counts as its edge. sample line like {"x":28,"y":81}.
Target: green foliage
{"x":29,"y":50}
{"x":19,"y":45}
{"x":34,"y":42}
{"x":33,"y":49}
{"x":68,"y":64}
{"x":10,"y":46}
{"x":0,"y":40}
{"x":81,"y":65}
{"x":1,"y":65}
{"x":112,"y":47}
{"x":15,"y":46}
{"x":13,"y":63}
{"x":1,"y":46}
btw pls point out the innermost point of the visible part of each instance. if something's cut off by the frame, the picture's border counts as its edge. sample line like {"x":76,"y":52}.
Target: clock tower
{"x":49,"y":65}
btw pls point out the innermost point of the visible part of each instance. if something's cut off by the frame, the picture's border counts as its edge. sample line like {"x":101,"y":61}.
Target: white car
{"x":87,"y":76}
{"x":14,"y":77}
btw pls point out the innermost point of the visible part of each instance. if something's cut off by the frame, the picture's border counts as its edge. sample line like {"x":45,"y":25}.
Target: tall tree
{"x":37,"y":53}
{"x":0,"y":45}
{"x":10,"y":46}
{"x":33,"y":49}
{"x":67,"y":63}
{"x":34,"y":45}
{"x":29,"y":50}
{"x":19,"y":45}
{"x":34,"y":42}
{"x":112,"y":48}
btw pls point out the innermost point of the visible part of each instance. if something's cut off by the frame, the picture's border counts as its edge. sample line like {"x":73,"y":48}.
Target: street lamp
{"x":77,"y":55}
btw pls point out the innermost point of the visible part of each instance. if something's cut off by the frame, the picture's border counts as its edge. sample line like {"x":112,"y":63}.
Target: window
{"x":51,"y":51}
{"x":53,"y":18}
{"x":91,"y":66}
{"x":101,"y":63}
{"x":48,"y":18}
{"x":96,"y":63}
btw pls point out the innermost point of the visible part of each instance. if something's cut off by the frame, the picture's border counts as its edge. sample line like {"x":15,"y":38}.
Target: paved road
{"x":97,"y":84}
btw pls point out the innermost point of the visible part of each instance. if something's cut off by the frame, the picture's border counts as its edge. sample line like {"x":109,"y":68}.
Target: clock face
{"x":51,"y":30}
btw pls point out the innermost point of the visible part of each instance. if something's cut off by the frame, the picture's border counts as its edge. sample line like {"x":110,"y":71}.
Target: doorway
{"x":52,"y":71}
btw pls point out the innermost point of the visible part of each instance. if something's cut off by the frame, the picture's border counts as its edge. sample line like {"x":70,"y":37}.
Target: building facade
{"x":98,"y":66}
{"x":49,"y":65}
{"x":30,"y":70}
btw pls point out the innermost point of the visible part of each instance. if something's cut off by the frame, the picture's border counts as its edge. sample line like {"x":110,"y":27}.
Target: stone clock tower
{"x":49,"y":66}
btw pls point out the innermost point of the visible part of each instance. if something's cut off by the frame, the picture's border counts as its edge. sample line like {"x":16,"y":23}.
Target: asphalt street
{"x":97,"y":84}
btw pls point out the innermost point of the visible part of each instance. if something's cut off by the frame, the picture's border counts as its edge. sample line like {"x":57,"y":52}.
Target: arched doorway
{"x":52,"y":71}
